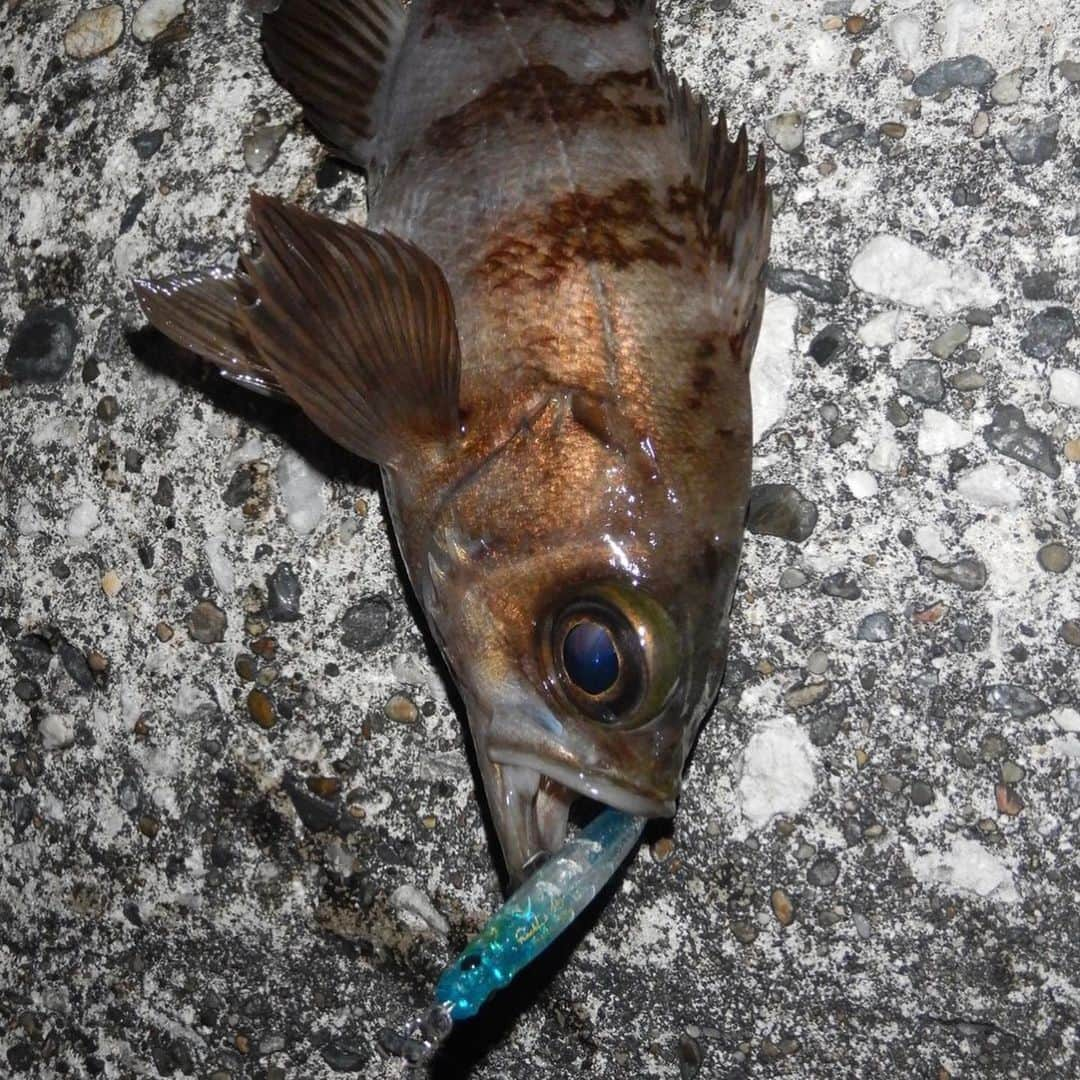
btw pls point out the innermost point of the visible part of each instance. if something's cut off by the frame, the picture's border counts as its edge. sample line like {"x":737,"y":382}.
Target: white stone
{"x":153,"y":16}
{"x":57,"y":732}
{"x":409,"y":900}
{"x":82,"y":520}
{"x":940,"y":433}
{"x":247,"y":452}
{"x":773,"y":369}
{"x":966,"y":866}
{"x":1067,"y":719}
{"x":786,"y":130}
{"x":301,"y":488}
{"x":885,"y":457}
{"x":881,"y":330}
{"x":898,"y":271}
{"x":862,"y":484}
{"x":961,"y":20}
{"x":94,"y":32}
{"x":929,"y":539}
{"x":1065,"y":387}
{"x":905,"y":32}
{"x":28,"y":522}
{"x":777,"y":772}
{"x":220,"y":567}
{"x":989,"y":485}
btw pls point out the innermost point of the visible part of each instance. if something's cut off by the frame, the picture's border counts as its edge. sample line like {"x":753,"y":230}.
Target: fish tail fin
{"x":333,"y":57}
{"x":355,"y":327}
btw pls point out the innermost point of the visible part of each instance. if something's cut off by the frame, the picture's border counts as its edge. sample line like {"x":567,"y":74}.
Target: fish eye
{"x":590,"y":657}
{"x":611,"y":653}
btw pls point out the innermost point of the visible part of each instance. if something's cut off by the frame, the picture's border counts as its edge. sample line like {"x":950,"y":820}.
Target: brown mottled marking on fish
{"x":544,"y":93}
{"x":466,"y":14}
{"x":618,"y":228}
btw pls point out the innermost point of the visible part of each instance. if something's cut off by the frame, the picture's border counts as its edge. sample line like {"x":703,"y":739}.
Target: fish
{"x":542,"y":335}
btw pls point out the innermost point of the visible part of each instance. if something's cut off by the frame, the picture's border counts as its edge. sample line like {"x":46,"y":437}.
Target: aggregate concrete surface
{"x":239,"y":829}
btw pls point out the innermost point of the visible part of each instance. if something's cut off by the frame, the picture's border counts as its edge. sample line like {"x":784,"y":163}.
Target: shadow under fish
{"x":542,"y":337}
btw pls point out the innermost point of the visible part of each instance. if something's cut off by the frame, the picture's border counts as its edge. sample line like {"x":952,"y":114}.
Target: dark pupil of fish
{"x":590,"y":657}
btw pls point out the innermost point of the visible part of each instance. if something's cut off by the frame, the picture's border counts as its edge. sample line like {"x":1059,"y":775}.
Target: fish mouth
{"x":530,"y":801}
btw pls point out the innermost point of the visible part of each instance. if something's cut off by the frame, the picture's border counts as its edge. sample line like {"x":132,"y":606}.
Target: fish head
{"x":587,"y":637}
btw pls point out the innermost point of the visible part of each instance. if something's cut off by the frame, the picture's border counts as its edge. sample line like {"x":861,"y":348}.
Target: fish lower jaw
{"x":548,"y":781}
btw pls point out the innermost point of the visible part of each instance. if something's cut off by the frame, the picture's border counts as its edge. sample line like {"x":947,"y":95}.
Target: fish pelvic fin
{"x":202,"y":311}
{"x":735,"y":209}
{"x":333,"y":57}
{"x":354,"y":326}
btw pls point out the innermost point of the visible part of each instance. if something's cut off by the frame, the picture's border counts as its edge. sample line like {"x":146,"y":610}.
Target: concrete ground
{"x":239,"y":829}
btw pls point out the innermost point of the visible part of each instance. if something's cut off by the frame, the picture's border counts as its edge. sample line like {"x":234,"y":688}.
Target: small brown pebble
{"x":429,"y":821}
{"x":663,"y":849}
{"x":893,"y":129}
{"x":1070,"y":633}
{"x":97,"y":662}
{"x":326,"y":787}
{"x":207,"y":622}
{"x":94,"y":32}
{"x":783,"y":908}
{"x":831,"y":22}
{"x":930,"y":615}
{"x":266,"y":647}
{"x":108,"y":409}
{"x":861,"y":758}
{"x":242,"y":1043}
{"x":361,"y":507}
{"x":149,"y":826}
{"x":855,"y":24}
{"x":164,"y":631}
{"x":801,"y":696}
{"x":1054,"y":558}
{"x":246,"y":667}
{"x":1008,"y":802}
{"x":1072,"y":450}
{"x":261,"y":708}
{"x":111,"y":583}
{"x":785,"y":826}
{"x":827,"y":166}
{"x":402,"y":710}
{"x":142,"y":728}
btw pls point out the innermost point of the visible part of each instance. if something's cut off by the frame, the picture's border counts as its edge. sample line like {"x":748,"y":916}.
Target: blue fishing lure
{"x":541,"y":909}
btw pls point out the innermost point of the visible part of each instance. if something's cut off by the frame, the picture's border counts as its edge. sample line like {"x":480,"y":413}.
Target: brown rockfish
{"x":543,"y":337}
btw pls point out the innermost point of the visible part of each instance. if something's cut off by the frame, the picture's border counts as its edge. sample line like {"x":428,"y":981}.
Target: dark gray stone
{"x":1048,"y":332}
{"x":972,"y":71}
{"x":876,"y":627}
{"x":787,"y":280}
{"x":148,"y":143}
{"x":1014,"y":700}
{"x":922,"y":380}
{"x":366,"y":625}
{"x":968,"y":574}
{"x":840,"y":135}
{"x":1041,"y":285}
{"x":283,"y":594}
{"x":1009,"y":434}
{"x":841,"y":585}
{"x":824,"y":871}
{"x":826,"y":343}
{"x":1033,"y":141}
{"x":75,"y":665}
{"x":781,"y":510}
{"x":43,"y":346}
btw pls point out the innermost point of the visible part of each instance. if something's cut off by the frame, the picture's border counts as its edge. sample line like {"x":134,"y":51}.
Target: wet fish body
{"x":543,"y":337}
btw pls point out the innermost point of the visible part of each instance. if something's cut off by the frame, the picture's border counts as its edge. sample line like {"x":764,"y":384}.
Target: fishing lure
{"x":534,"y":916}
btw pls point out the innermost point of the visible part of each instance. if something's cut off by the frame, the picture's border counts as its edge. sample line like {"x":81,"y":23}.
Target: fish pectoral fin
{"x":735,"y":208}
{"x":356,"y":327}
{"x":202,"y":310}
{"x":333,"y":57}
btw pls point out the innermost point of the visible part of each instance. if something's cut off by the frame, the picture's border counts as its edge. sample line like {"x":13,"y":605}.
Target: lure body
{"x":538,"y":912}
{"x":543,"y":338}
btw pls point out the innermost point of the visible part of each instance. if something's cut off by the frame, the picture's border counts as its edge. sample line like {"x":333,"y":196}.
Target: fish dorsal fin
{"x":202,"y":310}
{"x":735,"y":206}
{"x":354,"y":326}
{"x":333,"y":56}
